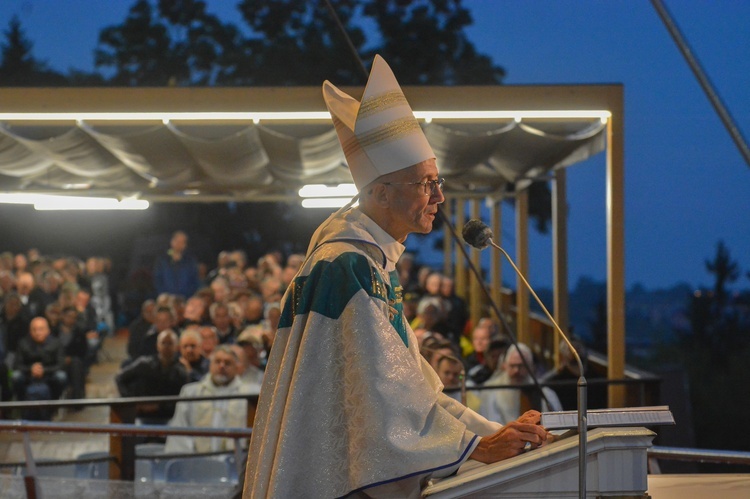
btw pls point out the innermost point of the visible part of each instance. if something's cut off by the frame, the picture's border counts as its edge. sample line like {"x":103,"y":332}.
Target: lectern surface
{"x":616,"y":466}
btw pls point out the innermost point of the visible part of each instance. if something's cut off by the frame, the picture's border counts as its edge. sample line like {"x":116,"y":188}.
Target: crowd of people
{"x":211,"y":333}
{"x":55,"y":312}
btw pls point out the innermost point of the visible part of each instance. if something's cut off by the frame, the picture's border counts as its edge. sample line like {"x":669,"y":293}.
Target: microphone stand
{"x":491,"y":302}
{"x":582,"y":385}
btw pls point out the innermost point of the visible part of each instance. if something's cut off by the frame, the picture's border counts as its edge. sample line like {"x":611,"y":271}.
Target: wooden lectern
{"x":616,"y":460}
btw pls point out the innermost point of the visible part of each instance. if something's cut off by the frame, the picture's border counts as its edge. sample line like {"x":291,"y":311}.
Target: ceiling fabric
{"x":204,"y":160}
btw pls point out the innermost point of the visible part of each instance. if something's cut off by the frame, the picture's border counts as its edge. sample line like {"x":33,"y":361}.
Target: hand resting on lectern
{"x":512,"y":439}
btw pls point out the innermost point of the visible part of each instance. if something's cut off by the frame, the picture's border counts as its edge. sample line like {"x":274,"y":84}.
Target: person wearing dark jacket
{"x":153,"y":376}
{"x":75,"y":348}
{"x":39,"y":360}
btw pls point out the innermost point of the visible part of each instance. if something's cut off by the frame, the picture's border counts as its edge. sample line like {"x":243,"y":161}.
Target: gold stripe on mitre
{"x":393,"y":130}
{"x":379,"y":103}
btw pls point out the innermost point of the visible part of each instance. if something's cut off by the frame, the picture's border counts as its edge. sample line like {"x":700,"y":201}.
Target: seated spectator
{"x":568,"y":371}
{"x":221,"y":290}
{"x":209,"y":340}
{"x":251,"y":342}
{"x":75,"y":348}
{"x":493,"y":356}
{"x":14,"y":322}
{"x":430,"y":316}
{"x":153,"y":376}
{"x":222,"y":321}
{"x":32,"y":296}
{"x":195,"y":311}
{"x":221,"y":380}
{"x":477,"y":368}
{"x":163,"y":320}
{"x":254,"y":307}
{"x":457,"y":312}
{"x":138,"y":329}
{"x":507,"y":404}
{"x":191,"y":353}
{"x":39,"y":370}
{"x":450,"y":370}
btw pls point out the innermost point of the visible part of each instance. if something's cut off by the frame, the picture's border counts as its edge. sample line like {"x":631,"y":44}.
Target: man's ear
{"x":379,"y":193}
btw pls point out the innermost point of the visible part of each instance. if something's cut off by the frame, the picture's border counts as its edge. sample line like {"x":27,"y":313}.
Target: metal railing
{"x":120,"y":430}
{"x":123,"y":411}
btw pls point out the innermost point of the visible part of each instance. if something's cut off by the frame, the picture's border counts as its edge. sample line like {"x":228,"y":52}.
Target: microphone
{"x":478,"y":234}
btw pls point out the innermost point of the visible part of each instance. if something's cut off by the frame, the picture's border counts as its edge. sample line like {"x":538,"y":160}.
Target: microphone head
{"x":477,"y":234}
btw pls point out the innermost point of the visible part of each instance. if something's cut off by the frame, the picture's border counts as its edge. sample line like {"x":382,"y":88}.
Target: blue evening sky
{"x":686,"y":184}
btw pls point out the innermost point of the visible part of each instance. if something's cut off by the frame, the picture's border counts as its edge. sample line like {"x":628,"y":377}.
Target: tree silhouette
{"x":18,"y":66}
{"x":725,"y":270}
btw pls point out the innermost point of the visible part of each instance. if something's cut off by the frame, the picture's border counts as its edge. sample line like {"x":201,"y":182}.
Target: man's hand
{"x":185,"y":363}
{"x":511,"y":439}
{"x":37,"y":370}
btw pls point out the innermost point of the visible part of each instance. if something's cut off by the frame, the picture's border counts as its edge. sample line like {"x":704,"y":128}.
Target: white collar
{"x":391,"y":248}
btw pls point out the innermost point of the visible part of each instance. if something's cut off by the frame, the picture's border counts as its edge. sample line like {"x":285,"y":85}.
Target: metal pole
{"x":702,"y":78}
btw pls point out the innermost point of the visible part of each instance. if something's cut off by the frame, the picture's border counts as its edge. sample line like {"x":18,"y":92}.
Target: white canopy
{"x":209,"y":144}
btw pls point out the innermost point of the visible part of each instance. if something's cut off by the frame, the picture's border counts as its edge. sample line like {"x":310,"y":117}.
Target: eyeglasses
{"x":427,"y":187}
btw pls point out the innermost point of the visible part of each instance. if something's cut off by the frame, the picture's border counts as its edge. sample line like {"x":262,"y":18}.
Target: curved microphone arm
{"x":498,"y":313}
{"x":549,"y":316}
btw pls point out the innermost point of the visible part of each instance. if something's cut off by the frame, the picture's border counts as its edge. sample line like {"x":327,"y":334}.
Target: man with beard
{"x":222,"y":379}
{"x":504,"y":404}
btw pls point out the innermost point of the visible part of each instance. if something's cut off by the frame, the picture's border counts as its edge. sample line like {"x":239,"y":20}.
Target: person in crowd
{"x":229,"y":413}
{"x":39,"y":366}
{"x":14,"y":322}
{"x":481,"y":336}
{"x":222,"y":262}
{"x":50,"y":285}
{"x":434,"y":349}
{"x":429,"y":320}
{"x":506,"y":404}
{"x":565,"y":377}
{"x":139,"y":327}
{"x":209,"y":339}
{"x":31,"y":295}
{"x":222,"y":321}
{"x":494,"y":356}
{"x":176,"y":271}
{"x":7,"y":283}
{"x":253,"y":309}
{"x":319,"y":392}
{"x":75,"y":350}
{"x":407,"y":272}
{"x":271,"y":289}
{"x":195,"y":311}
{"x":163,"y":320}
{"x":191,"y":353}
{"x":222,"y":293}
{"x":457,"y":313}
{"x":251,"y":342}
{"x":154,"y":375}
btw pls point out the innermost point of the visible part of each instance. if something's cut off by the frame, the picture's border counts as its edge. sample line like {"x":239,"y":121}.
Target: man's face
{"x":162,"y":321}
{"x":449,"y":372}
{"x":194,"y":309}
{"x":515,"y":368}
{"x":69,"y":318}
{"x":179,"y":242}
{"x":223,"y":368}
{"x":432,"y":284}
{"x":39,"y":329}
{"x":411,"y":209}
{"x":209,"y":340}
{"x":190,"y":348}
{"x":166,"y":346}
{"x":221,"y":318}
{"x":480,"y":339}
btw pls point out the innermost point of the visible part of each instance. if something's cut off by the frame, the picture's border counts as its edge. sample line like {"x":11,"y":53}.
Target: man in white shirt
{"x":221,"y":379}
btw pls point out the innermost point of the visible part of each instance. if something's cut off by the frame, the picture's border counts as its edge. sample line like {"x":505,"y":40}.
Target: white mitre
{"x":379,"y":135}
